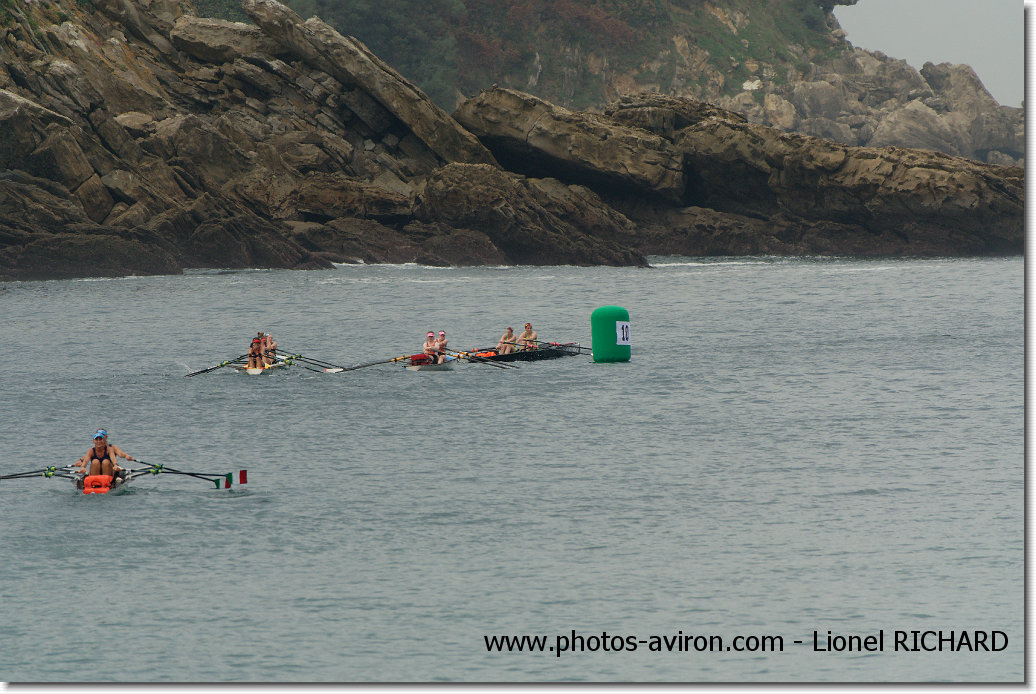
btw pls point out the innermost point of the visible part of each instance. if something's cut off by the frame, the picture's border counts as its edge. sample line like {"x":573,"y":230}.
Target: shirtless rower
{"x":507,"y":342}
{"x":101,"y":459}
{"x":527,"y":340}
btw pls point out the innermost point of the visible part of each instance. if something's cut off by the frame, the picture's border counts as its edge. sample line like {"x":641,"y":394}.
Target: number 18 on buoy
{"x":610,"y":333}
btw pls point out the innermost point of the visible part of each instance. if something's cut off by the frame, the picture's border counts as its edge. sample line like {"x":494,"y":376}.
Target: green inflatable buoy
{"x":610,"y":333}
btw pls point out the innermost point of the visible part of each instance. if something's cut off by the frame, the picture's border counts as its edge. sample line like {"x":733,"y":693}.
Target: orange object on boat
{"x":97,"y":484}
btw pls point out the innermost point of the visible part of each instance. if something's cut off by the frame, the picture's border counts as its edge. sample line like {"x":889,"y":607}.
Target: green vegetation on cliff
{"x":579,"y":53}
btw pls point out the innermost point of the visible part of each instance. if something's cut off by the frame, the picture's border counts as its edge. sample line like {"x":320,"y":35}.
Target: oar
{"x":319,"y":362}
{"x":375,"y":363}
{"x":327,"y":366}
{"x":559,"y":344}
{"x":472,"y":357}
{"x":214,"y":477}
{"x":51,"y":471}
{"x":222,"y":363}
{"x":290,"y":361}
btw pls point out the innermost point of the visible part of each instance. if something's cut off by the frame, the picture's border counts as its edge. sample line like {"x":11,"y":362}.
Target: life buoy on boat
{"x":97,"y":484}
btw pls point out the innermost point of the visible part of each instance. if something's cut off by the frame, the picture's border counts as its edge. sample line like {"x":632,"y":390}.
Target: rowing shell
{"x":553,"y":351}
{"x":257,"y":370}
{"x":445,"y":366}
{"x":106,"y":484}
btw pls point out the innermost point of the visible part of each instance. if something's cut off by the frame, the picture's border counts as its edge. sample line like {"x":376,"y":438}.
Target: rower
{"x":256,"y":356}
{"x":269,"y":348}
{"x":101,"y":459}
{"x":507,"y":341}
{"x":440,"y":344}
{"x":431,"y":347}
{"x":527,"y":339}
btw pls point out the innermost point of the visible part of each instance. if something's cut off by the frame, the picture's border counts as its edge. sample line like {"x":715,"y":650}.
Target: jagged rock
{"x":95,"y":198}
{"x":59,"y":158}
{"x":447,"y":246}
{"x":664,"y":115}
{"x":820,"y":97}
{"x":217,"y":40}
{"x":959,"y":87}
{"x":504,"y":207}
{"x":136,"y":123}
{"x":866,"y":98}
{"x":531,"y":135}
{"x":916,"y":123}
{"x":937,"y":203}
{"x":351,"y":63}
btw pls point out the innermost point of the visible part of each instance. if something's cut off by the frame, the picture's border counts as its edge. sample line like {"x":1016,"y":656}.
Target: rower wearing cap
{"x":527,"y":340}
{"x":440,"y":344}
{"x":507,"y":341}
{"x":431,"y":347}
{"x":101,"y":459}
{"x":255,"y":353}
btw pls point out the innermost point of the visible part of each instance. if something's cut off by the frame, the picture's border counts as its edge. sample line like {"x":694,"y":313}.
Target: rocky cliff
{"x":699,"y":180}
{"x":783,"y":63}
{"x":866,"y":98}
{"x":137,"y":137}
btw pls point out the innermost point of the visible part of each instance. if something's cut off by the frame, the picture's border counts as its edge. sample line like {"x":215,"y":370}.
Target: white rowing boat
{"x":418,"y":364}
{"x":257,"y":370}
{"x":445,"y":366}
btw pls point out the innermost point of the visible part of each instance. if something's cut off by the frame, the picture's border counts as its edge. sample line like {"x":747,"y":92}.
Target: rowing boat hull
{"x":445,"y":366}
{"x":100,"y":484}
{"x":552,"y":352}
{"x":256,"y":371}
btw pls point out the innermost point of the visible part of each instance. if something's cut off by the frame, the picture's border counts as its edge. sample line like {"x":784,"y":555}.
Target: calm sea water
{"x":795,"y":446}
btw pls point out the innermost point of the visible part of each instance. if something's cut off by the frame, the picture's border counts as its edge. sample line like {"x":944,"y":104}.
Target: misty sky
{"x":988,"y":35}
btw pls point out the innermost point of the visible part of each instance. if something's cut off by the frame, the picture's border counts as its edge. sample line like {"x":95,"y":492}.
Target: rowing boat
{"x":553,"y":351}
{"x":107,"y":484}
{"x":422,"y":362}
{"x":257,"y":370}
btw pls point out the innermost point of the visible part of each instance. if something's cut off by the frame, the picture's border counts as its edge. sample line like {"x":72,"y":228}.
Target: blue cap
{"x":101,"y":433}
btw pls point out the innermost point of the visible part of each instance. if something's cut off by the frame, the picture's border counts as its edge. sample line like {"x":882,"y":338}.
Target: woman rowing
{"x":440,"y":344}
{"x":255,"y":353}
{"x":527,"y":339}
{"x":431,"y":348}
{"x":101,"y":459}
{"x":507,"y":342}
{"x":269,"y":348}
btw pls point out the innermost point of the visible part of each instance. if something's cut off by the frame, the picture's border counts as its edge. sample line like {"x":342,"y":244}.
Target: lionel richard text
{"x":912,"y":640}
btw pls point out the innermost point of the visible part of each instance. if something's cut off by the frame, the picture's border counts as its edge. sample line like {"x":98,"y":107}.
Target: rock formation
{"x":868,"y":99}
{"x":746,"y":188}
{"x":136,"y":137}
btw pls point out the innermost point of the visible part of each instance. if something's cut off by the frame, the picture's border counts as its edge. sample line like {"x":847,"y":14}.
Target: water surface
{"x":796,"y":445}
